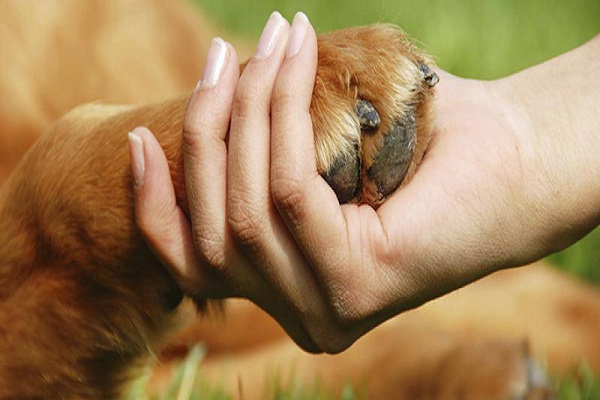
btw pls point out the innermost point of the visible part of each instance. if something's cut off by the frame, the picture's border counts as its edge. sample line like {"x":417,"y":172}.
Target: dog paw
{"x":371,"y":111}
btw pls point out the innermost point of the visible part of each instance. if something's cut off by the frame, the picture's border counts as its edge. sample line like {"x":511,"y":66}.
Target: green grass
{"x":479,"y":39}
{"x":470,"y":38}
{"x":188,"y":384}
{"x":582,"y":385}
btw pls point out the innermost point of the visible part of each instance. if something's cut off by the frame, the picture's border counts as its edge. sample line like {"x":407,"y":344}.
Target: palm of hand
{"x":454,"y":222}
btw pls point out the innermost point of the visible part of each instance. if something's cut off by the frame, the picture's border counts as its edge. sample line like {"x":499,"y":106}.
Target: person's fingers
{"x":266,"y":238}
{"x":253,"y":220}
{"x":305,"y":201}
{"x":297,"y":188}
{"x":205,"y":128}
{"x":161,"y":221}
{"x":338,"y":241}
{"x":205,"y":133}
{"x":278,"y":287}
{"x":248,"y":196}
{"x":279,"y":309}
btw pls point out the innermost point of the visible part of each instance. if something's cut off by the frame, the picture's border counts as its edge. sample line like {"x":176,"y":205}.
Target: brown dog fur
{"x":82,"y":298}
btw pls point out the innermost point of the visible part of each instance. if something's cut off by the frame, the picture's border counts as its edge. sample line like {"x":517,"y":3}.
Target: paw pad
{"x":391,"y":163}
{"x":371,"y":111}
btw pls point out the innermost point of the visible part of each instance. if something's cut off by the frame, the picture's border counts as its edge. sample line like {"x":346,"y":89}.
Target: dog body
{"x":82,"y":298}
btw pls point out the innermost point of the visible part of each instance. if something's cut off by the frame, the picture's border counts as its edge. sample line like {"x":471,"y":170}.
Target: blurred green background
{"x":470,"y":38}
{"x":479,"y":39}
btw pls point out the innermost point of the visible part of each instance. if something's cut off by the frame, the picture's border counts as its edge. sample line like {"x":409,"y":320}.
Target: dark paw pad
{"x":391,"y":164}
{"x":344,"y":177}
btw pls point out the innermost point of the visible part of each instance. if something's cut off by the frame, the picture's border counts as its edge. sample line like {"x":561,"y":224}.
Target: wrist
{"x":553,"y":111}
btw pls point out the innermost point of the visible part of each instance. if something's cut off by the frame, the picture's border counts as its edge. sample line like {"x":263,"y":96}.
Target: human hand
{"x":219,"y":190}
{"x":275,"y":231}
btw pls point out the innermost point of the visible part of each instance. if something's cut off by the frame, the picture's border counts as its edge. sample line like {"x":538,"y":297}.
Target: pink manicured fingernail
{"x":215,"y":62}
{"x":298,"y":33}
{"x":270,"y":36}
{"x":136,"y":151}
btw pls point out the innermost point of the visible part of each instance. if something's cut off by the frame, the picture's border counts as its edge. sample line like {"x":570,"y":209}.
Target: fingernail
{"x":270,"y":36}
{"x":215,"y":62}
{"x":136,"y":151}
{"x":297,"y":34}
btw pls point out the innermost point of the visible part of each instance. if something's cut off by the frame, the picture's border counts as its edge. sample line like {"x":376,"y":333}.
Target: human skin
{"x":512,"y":174}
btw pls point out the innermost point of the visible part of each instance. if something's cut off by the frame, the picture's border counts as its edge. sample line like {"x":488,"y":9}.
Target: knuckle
{"x":285,"y":189}
{"x":241,"y":101}
{"x":332,"y":341}
{"x":201,"y":124}
{"x":246,"y":224}
{"x":340,"y":306}
{"x":288,"y":197}
{"x":290,"y":203}
{"x":194,"y":134}
{"x":341,"y":313}
{"x":329,"y":335}
{"x":211,"y":249}
{"x":336,"y":346}
{"x":282,"y":96}
{"x":353,"y":305}
{"x":245,"y":229}
{"x":247,"y":98}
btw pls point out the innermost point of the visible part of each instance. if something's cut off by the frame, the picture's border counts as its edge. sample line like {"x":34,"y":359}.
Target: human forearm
{"x":555,"y":114}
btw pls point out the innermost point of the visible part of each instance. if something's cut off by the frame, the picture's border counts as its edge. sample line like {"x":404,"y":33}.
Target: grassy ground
{"x":470,"y":38}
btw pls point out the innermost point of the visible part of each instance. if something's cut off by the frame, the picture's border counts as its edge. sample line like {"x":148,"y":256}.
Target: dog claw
{"x":367,"y":115}
{"x":429,"y":76}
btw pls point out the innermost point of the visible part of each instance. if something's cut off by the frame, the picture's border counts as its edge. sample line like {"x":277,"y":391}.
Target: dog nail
{"x":367,"y":115}
{"x":429,"y":76}
{"x":297,"y":34}
{"x":270,"y":36}
{"x":136,"y":151}
{"x":215,"y":62}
